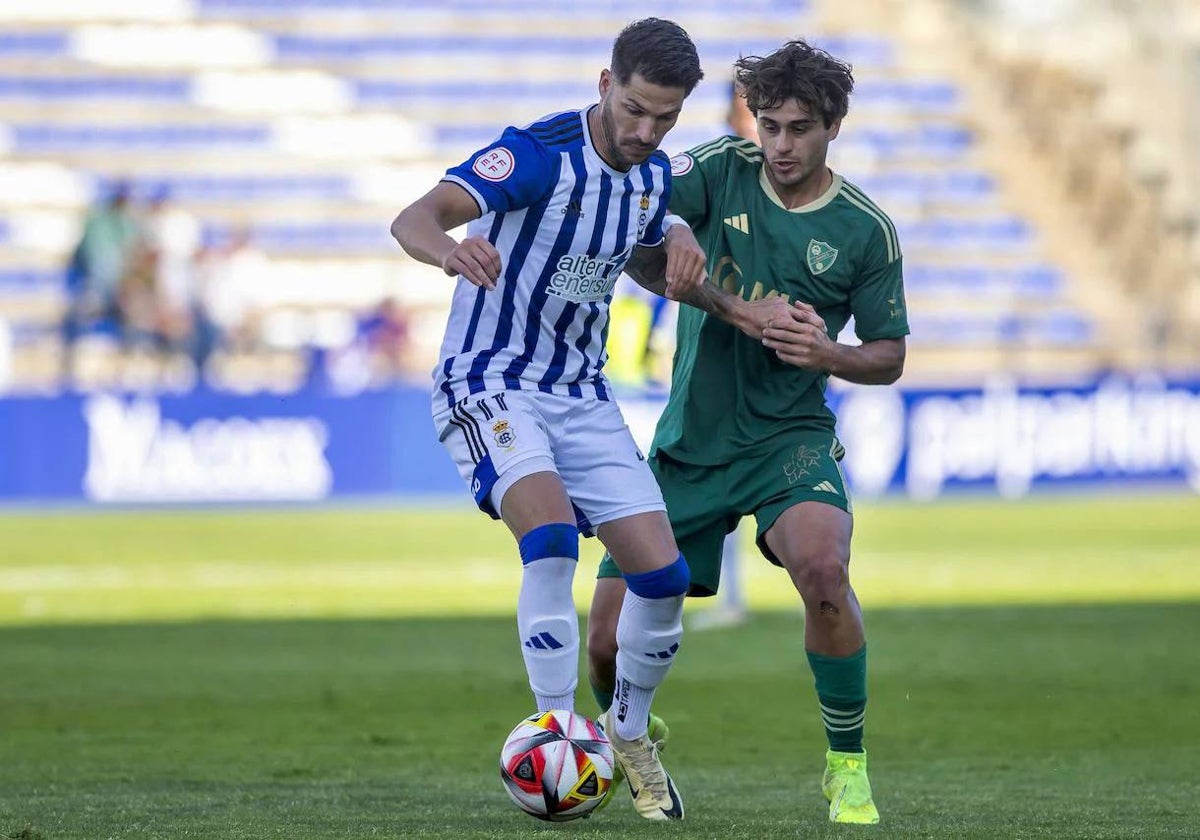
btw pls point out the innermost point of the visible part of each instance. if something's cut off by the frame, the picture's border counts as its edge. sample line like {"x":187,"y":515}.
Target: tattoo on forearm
{"x":828,"y":608}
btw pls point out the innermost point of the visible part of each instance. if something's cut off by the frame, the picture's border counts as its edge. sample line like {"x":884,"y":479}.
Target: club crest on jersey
{"x":495,"y":164}
{"x":505,"y":435}
{"x":681,"y":165}
{"x":820,"y":256}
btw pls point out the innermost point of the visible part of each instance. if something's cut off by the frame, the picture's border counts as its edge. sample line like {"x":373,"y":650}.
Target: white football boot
{"x":653,"y":791}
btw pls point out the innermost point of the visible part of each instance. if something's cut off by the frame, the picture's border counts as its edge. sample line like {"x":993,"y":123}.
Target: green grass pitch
{"x":1035,"y":672}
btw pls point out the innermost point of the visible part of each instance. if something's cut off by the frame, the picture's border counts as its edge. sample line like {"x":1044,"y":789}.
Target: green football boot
{"x":847,"y":788}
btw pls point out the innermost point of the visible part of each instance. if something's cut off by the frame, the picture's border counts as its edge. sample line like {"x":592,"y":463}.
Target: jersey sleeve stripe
{"x":743,"y":148}
{"x":858,"y":199}
{"x":471,"y":191}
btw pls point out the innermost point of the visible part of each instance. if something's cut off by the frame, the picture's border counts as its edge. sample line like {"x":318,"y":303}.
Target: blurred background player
{"x":520,"y":402}
{"x":747,"y":429}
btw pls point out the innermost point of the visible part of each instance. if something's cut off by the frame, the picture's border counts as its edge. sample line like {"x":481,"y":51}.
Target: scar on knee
{"x":828,"y":608}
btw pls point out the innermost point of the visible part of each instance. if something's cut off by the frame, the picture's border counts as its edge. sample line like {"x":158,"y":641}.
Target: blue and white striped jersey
{"x":564,"y":223}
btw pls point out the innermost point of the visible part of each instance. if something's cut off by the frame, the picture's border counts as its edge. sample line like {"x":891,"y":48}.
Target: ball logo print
{"x":494,"y":165}
{"x":556,"y":765}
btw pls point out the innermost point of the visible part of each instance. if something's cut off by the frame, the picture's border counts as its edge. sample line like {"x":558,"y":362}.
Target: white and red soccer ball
{"x":556,"y":765}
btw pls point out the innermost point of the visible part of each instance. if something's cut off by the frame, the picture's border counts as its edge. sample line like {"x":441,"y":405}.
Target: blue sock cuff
{"x":666,"y":582}
{"x":557,"y":539}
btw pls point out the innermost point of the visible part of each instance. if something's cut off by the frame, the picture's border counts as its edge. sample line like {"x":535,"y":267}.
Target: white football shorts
{"x":497,"y":438}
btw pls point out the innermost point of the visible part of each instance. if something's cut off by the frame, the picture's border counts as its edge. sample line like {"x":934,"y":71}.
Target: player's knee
{"x":821,"y":576}
{"x":670,"y":581}
{"x":556,"y":539}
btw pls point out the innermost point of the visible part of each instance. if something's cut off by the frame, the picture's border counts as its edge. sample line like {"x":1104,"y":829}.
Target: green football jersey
{"x":730,"y":396}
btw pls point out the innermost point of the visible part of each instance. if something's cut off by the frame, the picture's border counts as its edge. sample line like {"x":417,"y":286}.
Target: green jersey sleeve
{"x":877,"y":296}
{"x":689,"y":189}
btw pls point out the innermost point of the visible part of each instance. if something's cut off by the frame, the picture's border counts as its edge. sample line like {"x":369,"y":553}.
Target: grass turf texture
{"x":991,"y":715}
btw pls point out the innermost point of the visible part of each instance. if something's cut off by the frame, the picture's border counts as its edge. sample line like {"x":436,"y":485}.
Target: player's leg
{"x":539,"y":514}
{"x":648,"y":632}
{"x":610,"y":482}
{"x":808,"y":531}
{"x":498,"y":444}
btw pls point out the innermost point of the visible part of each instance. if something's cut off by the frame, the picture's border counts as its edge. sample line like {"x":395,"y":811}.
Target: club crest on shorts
{"x":505,"y":435}
{"x":820,"y":256}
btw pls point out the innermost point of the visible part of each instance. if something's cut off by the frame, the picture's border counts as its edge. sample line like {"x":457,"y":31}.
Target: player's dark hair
{"x":799,"y":71}
{"x":659,"y":51}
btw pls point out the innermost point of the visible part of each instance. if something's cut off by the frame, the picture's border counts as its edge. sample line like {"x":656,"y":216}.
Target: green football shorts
{"x":706,"y":502}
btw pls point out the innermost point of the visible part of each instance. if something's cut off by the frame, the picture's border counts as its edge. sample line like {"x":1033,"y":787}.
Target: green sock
{"x":603,"y":697}
{"x":842,"y":692}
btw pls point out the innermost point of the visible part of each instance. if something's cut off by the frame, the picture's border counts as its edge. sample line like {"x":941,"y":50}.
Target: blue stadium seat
{"x":615,"y":7}
{"x":957,"y":185}
{"x":1034,"y":281}
{"x":18,"y":281}
{"x":49,"y":137}
{"x":234,"y":188}
{"x":949,"y":233}
{"x":921,"y":96}
{"x":310,"y":46}
{"x":312,"y":237}
{"x":33,"y":44}
{"x":133,"y":88}
{"x":929,"y":141}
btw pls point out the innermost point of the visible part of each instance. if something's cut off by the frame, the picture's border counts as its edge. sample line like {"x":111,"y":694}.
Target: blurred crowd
{"x":144,"y":276}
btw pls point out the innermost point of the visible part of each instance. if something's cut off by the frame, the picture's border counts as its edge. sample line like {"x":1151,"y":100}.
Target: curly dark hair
{"x":800,"y":71}
{"x":659,"y":51}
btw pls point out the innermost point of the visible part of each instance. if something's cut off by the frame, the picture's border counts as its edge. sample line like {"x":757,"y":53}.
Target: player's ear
{"x":606,"y":82}
{"x":834,"y":129}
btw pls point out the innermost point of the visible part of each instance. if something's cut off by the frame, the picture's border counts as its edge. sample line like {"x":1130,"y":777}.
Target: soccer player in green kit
{"x":746,"y":430}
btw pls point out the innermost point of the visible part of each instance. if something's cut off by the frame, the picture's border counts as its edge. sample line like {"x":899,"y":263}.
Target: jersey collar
{"x":816,"y":204}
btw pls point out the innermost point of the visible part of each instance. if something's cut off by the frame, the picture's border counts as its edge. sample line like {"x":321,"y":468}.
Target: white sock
{"x":549,"y":631}
{"x":731,"y":584}
{"x":648,"y":634}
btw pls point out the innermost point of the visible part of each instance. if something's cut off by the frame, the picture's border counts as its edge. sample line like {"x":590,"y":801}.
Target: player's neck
{"x":600,"y":140}
{"x":803,"y":192}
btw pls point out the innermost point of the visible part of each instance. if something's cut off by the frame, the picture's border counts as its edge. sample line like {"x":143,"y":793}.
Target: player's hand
{"x":757,"y":315}
{"x":685,"y":263}
{"x":476,"y":259}
{"x":801,"y":339}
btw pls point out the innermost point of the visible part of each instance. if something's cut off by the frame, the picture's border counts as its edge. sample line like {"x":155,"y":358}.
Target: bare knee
{"x":821,"y":577}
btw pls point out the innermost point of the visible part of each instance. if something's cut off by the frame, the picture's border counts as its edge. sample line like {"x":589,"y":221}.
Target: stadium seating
{"x":310,"y":122}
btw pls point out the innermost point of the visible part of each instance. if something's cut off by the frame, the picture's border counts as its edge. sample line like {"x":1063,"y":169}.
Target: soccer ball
{"x":556,"y":765}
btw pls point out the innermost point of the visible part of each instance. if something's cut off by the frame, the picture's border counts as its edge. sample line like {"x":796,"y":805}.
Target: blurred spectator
{"x":228,"y":275}
{"x":172,"y":241}
{"x":386,"y":334}
{"x":379,"y":354}
{"x":99,"y":264}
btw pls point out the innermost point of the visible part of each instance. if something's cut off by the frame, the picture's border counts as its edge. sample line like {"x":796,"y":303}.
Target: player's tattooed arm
{"x":648,"y":266}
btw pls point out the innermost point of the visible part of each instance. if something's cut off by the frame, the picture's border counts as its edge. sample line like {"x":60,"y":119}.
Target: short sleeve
{"x":689,"y":193}
{"x":513,"y":172}
{"x":877,"y":297}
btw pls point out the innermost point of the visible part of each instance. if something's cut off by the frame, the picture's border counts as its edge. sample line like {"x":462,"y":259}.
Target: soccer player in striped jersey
{"x":554,"y":211}
{"x":746,"y":430}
